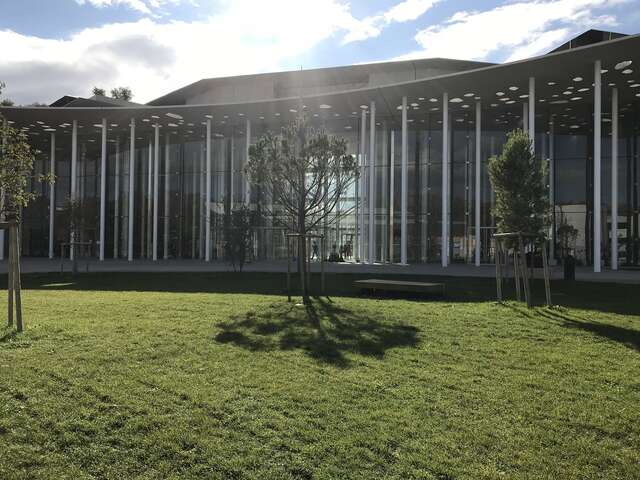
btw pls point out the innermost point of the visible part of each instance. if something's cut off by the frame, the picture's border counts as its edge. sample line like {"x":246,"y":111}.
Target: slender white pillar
{"x":552,"y":191}
{"x":147,"y":220}
{"x":103,"y":187}
{"x":525,"y":117}
{"x":372,"y":184}
{"x":156,"y":166}
{"x":167,"y":154}
{"x":116,"y":202}
{"x":132,"y":155}
{"x":194,"y":204}
{"x":444,"y":254}
{"x":478,"y":174}
{"x":247,"y":186}
{"x":403,"y":184}
{"x":391,"y":193}
{"x":207,"y":204}
{"x":532,"y":113}
{"x":231,"y":172}
{"x":614,"y":179}
{"x":52,"y":194}
{"x":597,"y":165}
{"x":202,"y":202}
{"x":384,"y":164}
{"x":363,"y":163}
{"x":74,"y":173}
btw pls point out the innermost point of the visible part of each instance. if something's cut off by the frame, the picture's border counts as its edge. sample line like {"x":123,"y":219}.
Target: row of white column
{"x":529,"y":112}
{"x":154,"y":154}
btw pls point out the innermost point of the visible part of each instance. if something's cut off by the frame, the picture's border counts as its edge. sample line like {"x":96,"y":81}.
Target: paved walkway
{"x":42,"y":265}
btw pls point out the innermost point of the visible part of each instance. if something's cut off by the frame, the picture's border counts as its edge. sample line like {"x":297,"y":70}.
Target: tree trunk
{"x":303,"y":266}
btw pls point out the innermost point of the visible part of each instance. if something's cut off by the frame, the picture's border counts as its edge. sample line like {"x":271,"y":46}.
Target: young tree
{"x":304,"y":171}
{"x":518,"y":180}
{"x":16,"y":168}
{"x":122,"y":93}
{"x":238,"y":227}
{"x":100,"y":92}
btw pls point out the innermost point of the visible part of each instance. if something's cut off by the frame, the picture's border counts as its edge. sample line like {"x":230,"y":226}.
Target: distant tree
{"x":518,"y":180}
{"x":99,"y":92}
{"x":567,"y":235}
{"x":304,"y":171}
{"x":5,"y":102}
{"x":37,"y":104}
{"x":238,"y":227}
{"x":122,"y":93}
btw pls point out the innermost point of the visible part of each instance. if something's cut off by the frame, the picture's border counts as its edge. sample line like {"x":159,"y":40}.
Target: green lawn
{"x":200,"y":376}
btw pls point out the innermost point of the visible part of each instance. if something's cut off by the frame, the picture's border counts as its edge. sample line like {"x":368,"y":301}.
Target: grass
{"x":200,"y":376}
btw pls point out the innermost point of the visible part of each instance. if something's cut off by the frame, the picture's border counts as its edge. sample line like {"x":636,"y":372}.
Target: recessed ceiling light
{"x":174,"y":115}
{"x":155,"y":116}
{"x":627,"y":71}
{"x":567,"y":92}
{"x":434,"y":109}
{"x":208,"y":116}
{"x":577,"y":79}
{"x":551,"y":83}
{"x":504,"y":99}
{"x":542,"y":100}
{"x":513,"y":88}
{"x":465,"y":106}
{"x":623,"y":65}
{"x":524,"y":96}
{"x":293,"y":110}
{"x":576,"y":98}
{"x":470,"y":94}
{"x":421,"y":99}
{"x":433,"y":100}
{"x":277,"y":114}
{"x":583,"y":90}
{"x":634,"y":85}
{"x":510,"y":102}
{"x":324,"y":106}
{"x":414,"y":104}
{"x":49,"y":129}
{"x":603,"y":71}
{"x":455,"y":100}
{"x":494,"y":105}
{"x":364,"y":107}
{"x":499,"y":94}
{"x":172,"y":125}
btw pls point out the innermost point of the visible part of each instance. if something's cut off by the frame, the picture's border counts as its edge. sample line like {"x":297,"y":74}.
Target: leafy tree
{"x":304,"y":171}
{"x":518,"y":180}
{"x":238,"y":227}
{"x":122,"y":93}
{"x":567,"y":235}
{"x":5,"y":102}
{"x":99,"y":92}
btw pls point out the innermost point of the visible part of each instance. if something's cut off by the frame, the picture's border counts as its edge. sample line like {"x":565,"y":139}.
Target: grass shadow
{"x":7,"y":334}
{"x":323,"y":330}
{"x":625,"y":336}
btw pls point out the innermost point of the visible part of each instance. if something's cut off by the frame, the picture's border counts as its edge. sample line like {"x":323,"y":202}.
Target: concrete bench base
{"x":374,"y":285}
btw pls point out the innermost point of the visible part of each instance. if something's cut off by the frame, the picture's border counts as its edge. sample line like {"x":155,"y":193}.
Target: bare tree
{"x":97,"y":91}
{"x":305,"y":172}
{"x":122,"y":93}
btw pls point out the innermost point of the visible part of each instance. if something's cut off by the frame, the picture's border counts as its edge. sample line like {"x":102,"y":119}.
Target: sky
{"x":51,"y":48}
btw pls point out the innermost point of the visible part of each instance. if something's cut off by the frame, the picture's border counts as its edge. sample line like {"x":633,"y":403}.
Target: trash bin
{"x":569,"y":264}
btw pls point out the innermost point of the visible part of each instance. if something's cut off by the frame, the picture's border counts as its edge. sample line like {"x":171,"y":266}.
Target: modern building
{"x":155,"y":180}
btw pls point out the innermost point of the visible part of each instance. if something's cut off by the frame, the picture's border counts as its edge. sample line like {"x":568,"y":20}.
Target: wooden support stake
{"x":545,"y":266}
{"x":288,"y":240}
{"x":322,"y":255}
{"x":525,"y":276}
{"x":16,"y":278}
{"x":516,"y":274}
{"x":498,"y":269}
{"x":10,"y":281}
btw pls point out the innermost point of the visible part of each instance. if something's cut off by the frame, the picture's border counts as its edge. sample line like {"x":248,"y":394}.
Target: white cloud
{"x":154,"y":57}
{"x":517,"y":30}
{"x":143,"y":6}
{"x":371,"y":27}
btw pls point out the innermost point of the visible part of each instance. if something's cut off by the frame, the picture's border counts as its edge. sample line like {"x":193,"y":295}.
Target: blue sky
{"x":56,"y":47}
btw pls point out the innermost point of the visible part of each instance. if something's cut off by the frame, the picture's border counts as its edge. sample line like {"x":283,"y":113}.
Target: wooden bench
{"x":375,"y":284}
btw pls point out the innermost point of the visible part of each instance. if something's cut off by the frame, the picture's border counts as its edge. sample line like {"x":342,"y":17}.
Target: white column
{"x":132,"y":155}
{"x":247,"y":186}
{"x":552,"y":191}
{"x":202,"y":199}
{"x":147,"y":220}
{"x":207,"y":204}
{"x":116,"y":202}
{"x":391,"y":193}
{"x":231,"y":173}
{"x":403,"y":184}
{"x":532,"y":113}
{"x":156,"y":166}
{"x":525,"y":117}
{"x":384,"y":250}
{"x":103,"y":187}
{"x":444,"y":254}
{"x":478,"y":174}
{"x":614,"y":179}
{"x":363,"y":163}
{"x":52,"y":194}
{"x":597,"y":159}
{"x":194,"y":205}
{"x":167,"y":151}
{"x":74,"y":173}
{"x":372,"y":184}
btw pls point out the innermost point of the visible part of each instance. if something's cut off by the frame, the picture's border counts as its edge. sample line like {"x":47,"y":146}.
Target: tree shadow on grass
{"x":626,"y":336}
{"x":323,"y":330}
